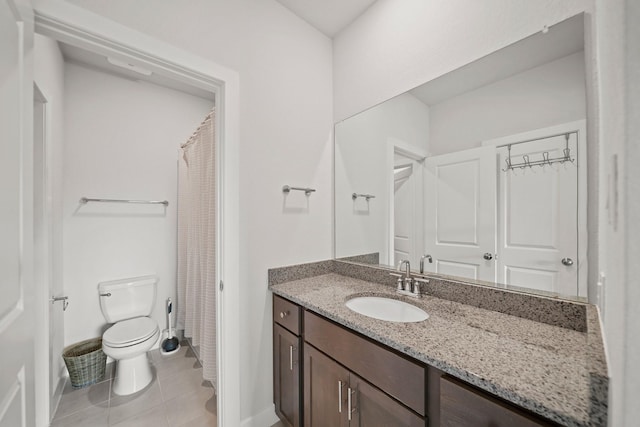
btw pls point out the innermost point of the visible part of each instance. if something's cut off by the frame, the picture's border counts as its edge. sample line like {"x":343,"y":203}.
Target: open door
{"x":17,"y":309}
{"x":460,"y":213}
{"x":407,"y":206}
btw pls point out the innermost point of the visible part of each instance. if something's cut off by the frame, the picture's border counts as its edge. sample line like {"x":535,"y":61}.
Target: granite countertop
{"x":555,"y":372}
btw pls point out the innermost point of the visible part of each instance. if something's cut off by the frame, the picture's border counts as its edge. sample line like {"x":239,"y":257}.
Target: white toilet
{"x":128,"y":303}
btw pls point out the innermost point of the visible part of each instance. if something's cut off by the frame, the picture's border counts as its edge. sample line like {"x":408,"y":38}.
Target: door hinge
{"x":221,"y":285}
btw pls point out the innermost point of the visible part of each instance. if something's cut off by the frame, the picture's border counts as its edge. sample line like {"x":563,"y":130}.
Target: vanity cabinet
{"x":327,"y":375}
{"x":286,"y":361}
{"x":335,"y":396}
{"x":397,"y":376}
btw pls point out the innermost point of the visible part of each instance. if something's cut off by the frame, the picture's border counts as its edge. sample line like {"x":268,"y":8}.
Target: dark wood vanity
{"x":328,"y":375}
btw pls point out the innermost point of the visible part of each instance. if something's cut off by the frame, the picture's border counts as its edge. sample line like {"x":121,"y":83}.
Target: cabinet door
{"x":286,"y":372}
{"x":325,"y":390}
{"x":462,"y":406}
{"x":371,"y":407}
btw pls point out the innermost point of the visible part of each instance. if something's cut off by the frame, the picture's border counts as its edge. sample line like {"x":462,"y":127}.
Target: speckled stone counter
{"x":556,"y":372}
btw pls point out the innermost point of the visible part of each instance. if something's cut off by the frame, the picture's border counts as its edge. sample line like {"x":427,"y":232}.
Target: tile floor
{"x":177,"y":397}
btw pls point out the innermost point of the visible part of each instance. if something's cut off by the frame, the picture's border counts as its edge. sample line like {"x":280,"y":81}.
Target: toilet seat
{"x":130,"y":332}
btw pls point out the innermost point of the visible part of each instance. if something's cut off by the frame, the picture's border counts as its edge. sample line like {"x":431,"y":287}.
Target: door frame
{"x":73,"y":25}
{"x":579,"y":126}
{"x":394,"y":146}
{"x":43,"y":273}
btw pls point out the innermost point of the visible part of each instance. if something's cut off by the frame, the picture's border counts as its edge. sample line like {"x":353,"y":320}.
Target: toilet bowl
{"x":128,"y":342}
{"x":127,"y":303}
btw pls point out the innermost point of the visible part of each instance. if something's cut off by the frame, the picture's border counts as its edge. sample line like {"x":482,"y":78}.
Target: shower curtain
{"x":197,"y":244}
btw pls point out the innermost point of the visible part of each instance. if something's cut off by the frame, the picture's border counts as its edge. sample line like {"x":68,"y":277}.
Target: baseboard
{"x":265,"y":418}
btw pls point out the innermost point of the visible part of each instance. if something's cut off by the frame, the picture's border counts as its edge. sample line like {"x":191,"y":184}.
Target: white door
{"x":460,"y":204}
{"x":407,"y":218}
{"x":17,"y":310}
{"x":538,"y":217}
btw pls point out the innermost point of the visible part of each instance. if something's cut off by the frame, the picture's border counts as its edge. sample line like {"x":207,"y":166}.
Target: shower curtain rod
{"x":85,"y":200}
{"x":190,"y":140}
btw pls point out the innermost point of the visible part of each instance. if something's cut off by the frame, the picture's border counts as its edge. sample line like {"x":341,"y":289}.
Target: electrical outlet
{"x":600,"y":292}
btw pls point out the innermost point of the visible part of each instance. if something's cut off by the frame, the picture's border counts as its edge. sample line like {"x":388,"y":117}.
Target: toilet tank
{"x":127,"y":298}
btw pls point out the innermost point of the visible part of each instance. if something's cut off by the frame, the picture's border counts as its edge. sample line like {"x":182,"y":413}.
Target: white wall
{"x":548,"y":95}
{"x":618,"y":67}
{"x":396,"y":46}
{"x":361,"y":162}
{"x":121,"y":142}
{"x":49,"y":77}
{"x":286,"y":138}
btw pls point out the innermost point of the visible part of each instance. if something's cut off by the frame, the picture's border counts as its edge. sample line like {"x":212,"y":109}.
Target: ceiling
{"x":76,"y":55}
{"x":328,"y":16}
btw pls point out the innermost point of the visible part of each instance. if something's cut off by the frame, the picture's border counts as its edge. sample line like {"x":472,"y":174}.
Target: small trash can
{"x":86,"y":362}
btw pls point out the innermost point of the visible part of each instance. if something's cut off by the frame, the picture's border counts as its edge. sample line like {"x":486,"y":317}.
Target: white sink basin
{"x":391,"y":310}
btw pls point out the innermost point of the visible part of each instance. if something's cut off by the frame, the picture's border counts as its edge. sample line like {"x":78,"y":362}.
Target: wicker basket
{"x":85,"y":362}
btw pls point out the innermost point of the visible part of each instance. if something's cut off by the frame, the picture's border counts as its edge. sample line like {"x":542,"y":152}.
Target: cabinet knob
{"x":284,"y":314}
{"x":488,"y":256}
{"x":567,"y":261}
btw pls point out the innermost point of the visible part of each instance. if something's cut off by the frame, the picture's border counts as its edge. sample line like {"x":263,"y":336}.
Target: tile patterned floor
{"x":177,"y":397}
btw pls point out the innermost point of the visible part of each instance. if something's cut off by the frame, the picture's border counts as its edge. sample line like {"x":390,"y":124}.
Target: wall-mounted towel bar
{"x":286,"y":189}
{"x":85,"y":200}
{"x":366,"y":196}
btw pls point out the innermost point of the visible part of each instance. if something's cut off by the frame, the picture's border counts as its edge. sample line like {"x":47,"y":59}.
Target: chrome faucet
{"x":406,"y":281}
{"x":407,"y":270}
{"x":407,"y":285}
{"x":422,"y":262}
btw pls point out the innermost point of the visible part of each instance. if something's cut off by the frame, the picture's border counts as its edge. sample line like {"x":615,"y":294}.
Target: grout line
{"x":109,"y":403}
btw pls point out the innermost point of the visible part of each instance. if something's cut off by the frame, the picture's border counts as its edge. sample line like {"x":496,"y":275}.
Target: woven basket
{"x":85,"y":362}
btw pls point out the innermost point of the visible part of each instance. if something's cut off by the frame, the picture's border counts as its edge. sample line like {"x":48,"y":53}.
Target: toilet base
{"x":132,"y":375}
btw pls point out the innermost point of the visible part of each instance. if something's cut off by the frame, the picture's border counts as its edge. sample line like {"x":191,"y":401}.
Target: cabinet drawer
{"x":286,"y":314}
{"x":461,"y":405}
{"x":395,"y":375}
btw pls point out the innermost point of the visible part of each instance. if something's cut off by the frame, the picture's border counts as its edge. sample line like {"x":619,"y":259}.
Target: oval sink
{"x":391,"y":310}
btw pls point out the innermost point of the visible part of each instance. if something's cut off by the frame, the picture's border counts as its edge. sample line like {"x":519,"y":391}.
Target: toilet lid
{"x":130,"y":332}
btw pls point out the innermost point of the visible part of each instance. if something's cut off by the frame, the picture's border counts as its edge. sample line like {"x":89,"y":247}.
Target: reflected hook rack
{"x":307,"y":191}
{"x":527,"y":163}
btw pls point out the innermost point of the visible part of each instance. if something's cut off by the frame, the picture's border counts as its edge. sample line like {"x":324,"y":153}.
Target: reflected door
{"x":538,"y":217}
{"x":407,"y":209}
{"x":460,"y":205}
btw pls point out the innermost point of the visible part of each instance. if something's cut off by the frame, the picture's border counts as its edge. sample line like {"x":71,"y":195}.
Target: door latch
{"x":65,"y":302}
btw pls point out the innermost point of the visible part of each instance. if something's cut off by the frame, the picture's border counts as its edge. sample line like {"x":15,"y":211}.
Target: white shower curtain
{"x":197,"y":244}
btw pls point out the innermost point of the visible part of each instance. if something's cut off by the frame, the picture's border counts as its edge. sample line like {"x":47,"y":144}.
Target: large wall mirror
{"x":480,"y":174}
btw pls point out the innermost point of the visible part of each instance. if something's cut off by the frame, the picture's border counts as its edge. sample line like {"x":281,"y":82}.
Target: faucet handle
{"x":399,"y":281}
{"x":417,"y":281}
